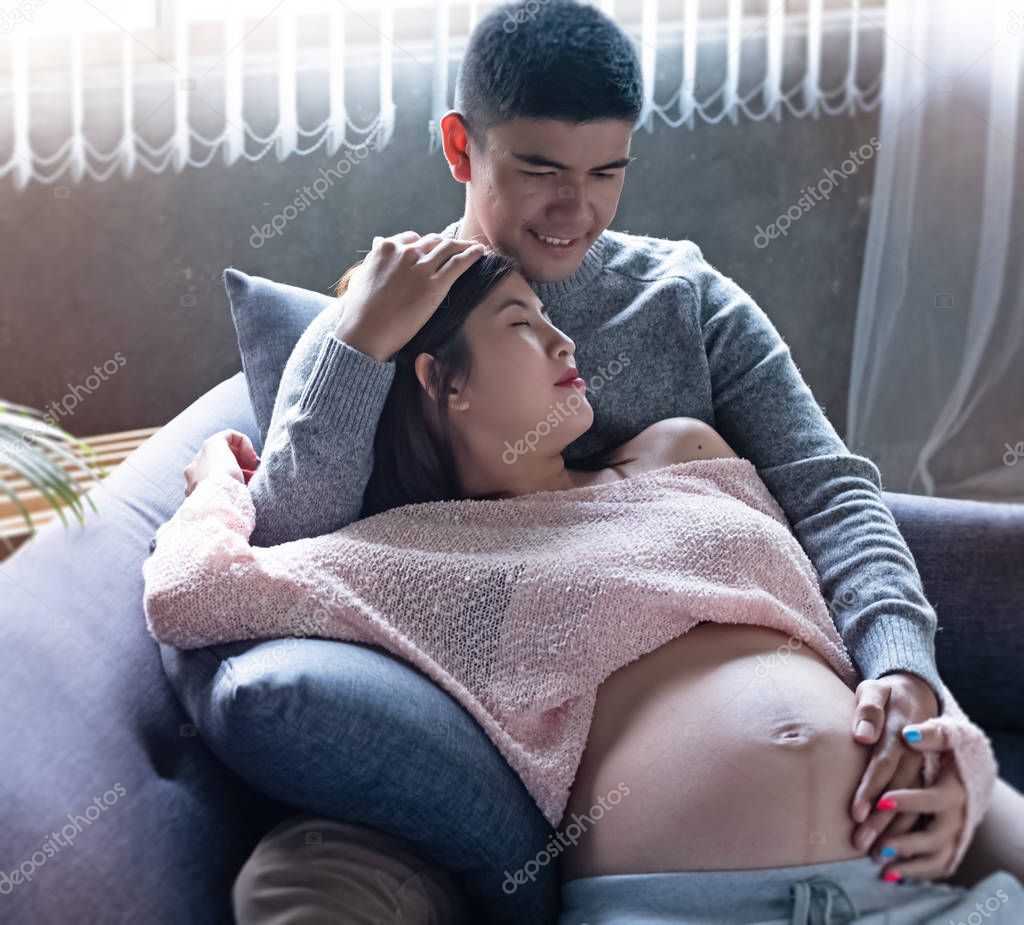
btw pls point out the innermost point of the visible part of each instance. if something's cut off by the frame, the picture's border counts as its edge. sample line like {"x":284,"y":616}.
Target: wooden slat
{"x":110,"y":451}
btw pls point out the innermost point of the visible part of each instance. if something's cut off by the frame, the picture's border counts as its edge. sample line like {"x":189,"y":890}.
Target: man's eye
{"x":531,"y":174}
{"x":527,"y":323}
{"x":604,"y":176}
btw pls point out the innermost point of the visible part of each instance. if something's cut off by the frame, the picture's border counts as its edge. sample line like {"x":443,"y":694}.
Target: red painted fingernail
{"x":885,"y":803}
{"x":892,"y":876}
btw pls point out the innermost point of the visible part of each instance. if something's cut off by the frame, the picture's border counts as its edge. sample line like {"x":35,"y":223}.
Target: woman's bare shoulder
{"x":675,"y":440}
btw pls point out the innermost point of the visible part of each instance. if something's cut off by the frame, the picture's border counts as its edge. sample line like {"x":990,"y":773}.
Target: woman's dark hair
{"x":413,"y":457}
{"x":558,"y":59}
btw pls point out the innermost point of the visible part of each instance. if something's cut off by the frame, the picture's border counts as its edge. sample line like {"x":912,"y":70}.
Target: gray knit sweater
{"x":659,"y":333}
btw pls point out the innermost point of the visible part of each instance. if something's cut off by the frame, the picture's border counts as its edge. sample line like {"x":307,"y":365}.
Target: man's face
{"x":544,"y":177}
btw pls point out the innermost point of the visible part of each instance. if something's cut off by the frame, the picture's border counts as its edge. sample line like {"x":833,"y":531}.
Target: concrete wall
{"x":127,"y":272}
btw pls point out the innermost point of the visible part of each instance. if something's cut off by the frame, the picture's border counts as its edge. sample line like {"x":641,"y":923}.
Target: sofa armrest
{"x":971,"y":558}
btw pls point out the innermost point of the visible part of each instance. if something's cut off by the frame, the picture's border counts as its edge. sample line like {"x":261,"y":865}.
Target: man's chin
{"x":544,"y":273}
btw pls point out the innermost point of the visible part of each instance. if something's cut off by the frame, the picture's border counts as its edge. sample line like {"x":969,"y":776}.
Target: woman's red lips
{"x":572,"y":379}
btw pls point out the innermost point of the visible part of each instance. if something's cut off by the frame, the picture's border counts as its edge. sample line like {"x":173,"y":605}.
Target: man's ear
{"x":424,"y":367}
{"x":455,"y":141}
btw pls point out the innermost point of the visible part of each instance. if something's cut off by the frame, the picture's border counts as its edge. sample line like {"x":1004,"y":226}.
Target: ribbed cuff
{"x":895,"y":643}
{"x":347,"y":388}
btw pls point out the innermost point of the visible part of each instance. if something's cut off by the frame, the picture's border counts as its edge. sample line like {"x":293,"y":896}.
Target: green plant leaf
{"x":87,"y":470}
{"x":22,"y":425}
{"x":45,"y":477}
{"x":7,"y":490}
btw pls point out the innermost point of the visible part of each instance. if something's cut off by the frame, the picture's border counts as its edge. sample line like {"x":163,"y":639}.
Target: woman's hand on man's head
{"x":227,"y":451}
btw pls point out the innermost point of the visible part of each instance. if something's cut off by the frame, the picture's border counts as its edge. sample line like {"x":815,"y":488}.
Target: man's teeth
{"x":548,"y":240}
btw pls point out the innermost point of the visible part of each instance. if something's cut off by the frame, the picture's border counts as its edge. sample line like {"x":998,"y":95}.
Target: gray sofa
{"x":98,"y":749}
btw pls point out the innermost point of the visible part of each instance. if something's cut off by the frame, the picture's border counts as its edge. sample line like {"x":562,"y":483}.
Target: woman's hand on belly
{"x":925,"y":854}
{"x":887,"y":705}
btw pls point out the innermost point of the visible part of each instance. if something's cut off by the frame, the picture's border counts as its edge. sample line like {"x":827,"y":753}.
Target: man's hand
{"x":925,"y":854}
{"x":226,"y":451}
{"x":397,"y":287}
{"x":884,"y":706}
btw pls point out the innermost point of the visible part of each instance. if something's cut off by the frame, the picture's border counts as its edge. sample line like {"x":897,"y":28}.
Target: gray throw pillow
{"x":269,"y":319}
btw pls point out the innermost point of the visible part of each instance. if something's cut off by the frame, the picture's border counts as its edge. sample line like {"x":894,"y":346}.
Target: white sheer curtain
{"x":937,"y":380}
{"x":782,"y":37}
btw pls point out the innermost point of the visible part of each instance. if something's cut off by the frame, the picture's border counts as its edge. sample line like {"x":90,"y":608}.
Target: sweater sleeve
{"x":831,"y":497}
{"x":318,"y":454}
{"x":205,"y":584}
{"x":971,"y":750}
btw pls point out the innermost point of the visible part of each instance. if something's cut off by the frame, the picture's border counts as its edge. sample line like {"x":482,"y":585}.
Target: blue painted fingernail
{"x":912,"y":735}
{"x":888,"y":852}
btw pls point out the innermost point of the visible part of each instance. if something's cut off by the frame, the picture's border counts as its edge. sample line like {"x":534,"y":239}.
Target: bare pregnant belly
{"x":727,"y":748}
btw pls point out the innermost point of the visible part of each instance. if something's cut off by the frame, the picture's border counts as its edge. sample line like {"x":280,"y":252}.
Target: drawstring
{"x":803,"y":891}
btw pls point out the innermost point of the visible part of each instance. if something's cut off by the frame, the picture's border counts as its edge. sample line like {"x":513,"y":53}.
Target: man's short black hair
{"x":548,"y":59}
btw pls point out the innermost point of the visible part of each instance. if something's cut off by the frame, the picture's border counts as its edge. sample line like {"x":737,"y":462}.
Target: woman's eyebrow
{"x":538,"y":161}
{"x":510,"y":302}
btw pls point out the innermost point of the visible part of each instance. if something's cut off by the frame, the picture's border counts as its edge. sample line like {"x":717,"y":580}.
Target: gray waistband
{"x":759,"y":893}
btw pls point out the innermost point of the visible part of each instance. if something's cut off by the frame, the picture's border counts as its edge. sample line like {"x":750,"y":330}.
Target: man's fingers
{"x":878,"y":820}
{"x":877,"y":776}
{"x":869,"y":713}
{"x":908,"y":775}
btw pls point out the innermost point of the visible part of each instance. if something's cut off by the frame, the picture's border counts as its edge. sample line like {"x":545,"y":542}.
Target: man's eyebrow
{"x":510,"y":302}
{"x":538,"y":161}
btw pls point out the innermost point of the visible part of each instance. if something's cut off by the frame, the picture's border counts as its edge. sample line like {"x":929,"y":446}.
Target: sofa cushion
{"x":94,"y":745}
{"x":269,"y":318}
{"x":351,"y":732}
{"x":969,"y":554}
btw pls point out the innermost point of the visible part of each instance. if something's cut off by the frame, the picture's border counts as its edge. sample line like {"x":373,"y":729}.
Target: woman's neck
{"x":510,"y":474}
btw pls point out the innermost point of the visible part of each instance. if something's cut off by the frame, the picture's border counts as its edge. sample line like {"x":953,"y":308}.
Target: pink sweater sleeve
{"x":970,"y":750}
{"x":205,"y":584}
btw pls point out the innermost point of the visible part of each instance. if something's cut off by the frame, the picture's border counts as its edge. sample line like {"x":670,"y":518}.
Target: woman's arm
{"x":206,"y":584}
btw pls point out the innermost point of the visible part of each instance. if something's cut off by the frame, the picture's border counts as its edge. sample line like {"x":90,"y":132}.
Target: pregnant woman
{"x":722,"y":756}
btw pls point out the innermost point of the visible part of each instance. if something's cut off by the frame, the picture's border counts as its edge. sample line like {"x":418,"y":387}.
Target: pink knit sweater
{"x":521,"y":607}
